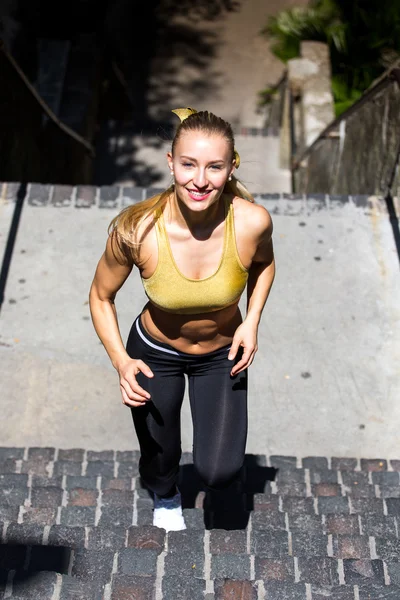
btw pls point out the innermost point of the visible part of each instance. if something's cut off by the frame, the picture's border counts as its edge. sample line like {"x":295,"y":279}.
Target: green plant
{"x":363,"y":38}
{"x":344,"y":98}
{"x":319,"y":22}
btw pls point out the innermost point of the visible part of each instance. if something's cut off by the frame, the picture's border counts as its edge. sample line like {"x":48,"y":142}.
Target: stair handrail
{"x":392,"y":74}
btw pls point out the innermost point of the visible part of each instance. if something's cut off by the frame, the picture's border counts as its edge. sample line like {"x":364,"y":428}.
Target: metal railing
{"x":329,"y":151}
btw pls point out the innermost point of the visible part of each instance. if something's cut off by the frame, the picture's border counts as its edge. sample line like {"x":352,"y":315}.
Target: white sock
{"x":168,"y":513}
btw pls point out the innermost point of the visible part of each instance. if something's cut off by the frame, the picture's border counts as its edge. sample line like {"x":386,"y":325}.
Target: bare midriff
{"x":193,"y":334}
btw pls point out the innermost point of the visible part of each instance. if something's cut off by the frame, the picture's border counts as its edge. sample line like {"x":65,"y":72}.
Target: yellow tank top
{"x":171,"y":291}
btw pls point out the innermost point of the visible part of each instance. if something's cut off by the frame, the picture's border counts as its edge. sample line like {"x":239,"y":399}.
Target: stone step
{"x":377,"y":541}
{"x":78,"y":524}
{"x":78,"y":560}
{"x":364,"y":478}
{"x":122,"y":587}
{"x":133,"y":554}
{"x":261,"y":541}
{"x":364,"y":523}
{"x":46,"y":504}
{"x":90,"y":491}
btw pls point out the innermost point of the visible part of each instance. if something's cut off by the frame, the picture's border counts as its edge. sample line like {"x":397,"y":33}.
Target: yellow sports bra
{"x":171,"y":291}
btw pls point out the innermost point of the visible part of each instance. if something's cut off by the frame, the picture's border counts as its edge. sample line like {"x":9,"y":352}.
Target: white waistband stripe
{"x":167,"y":350}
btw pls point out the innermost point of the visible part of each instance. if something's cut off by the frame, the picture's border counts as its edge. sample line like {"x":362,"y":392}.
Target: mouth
{"x":196,"y":195}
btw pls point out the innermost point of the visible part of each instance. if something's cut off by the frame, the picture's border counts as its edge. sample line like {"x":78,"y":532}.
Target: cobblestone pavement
{"x":77,"y":524}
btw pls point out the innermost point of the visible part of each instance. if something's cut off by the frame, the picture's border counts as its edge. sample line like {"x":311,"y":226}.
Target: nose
{"x":199,"y":178}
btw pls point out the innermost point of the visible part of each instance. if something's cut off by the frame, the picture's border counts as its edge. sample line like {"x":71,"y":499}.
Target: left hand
{"x":245,"y":337}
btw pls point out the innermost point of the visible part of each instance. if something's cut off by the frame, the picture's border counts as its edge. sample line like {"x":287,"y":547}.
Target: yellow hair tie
{"x":184,"y":113}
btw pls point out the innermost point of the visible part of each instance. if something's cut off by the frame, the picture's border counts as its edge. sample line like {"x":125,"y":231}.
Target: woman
{"x":196,"y":245}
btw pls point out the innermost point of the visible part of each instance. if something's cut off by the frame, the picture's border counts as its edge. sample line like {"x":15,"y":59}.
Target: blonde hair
{"x":123,"y":226}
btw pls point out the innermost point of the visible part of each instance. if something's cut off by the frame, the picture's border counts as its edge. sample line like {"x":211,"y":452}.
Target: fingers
{"x":143,"y":368}
{"x":133,"y":394}
{"x":234,"y":349}
{"x":128,"y":402}
{"x":244,"y":362}
{"x":134,"y":391}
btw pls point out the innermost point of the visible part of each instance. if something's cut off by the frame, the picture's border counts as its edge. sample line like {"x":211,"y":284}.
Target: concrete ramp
{"x":326,"y":378}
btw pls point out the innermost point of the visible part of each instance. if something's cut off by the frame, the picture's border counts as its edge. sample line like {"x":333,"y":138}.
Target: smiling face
{"x":201,"y":164}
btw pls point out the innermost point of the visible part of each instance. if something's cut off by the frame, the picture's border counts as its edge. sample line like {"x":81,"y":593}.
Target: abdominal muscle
{"x":193,"y":334}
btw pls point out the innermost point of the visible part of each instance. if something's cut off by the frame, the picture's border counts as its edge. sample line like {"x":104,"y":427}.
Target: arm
{"x":261,"y":277}
{"x":111,"y":273}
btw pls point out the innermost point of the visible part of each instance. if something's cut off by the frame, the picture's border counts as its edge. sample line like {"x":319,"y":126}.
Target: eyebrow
{"x":217,"y":160}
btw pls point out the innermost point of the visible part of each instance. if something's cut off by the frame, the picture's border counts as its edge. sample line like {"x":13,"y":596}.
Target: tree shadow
{"x":229,"y":508}
{"x":165,"y":54}
{"x":30,"y":565}
{"x":116,"y":155}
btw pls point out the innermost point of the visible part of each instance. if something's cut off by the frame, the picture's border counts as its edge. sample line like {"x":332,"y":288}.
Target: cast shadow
{"x":29,"y":565}
{"x":11,"y":239}
{"x":227,"y":509}
{"x":170,"y":62}
{"x":394,"y":221}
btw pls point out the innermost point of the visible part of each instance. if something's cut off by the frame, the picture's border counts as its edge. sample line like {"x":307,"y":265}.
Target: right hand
{"x":132,"y":393}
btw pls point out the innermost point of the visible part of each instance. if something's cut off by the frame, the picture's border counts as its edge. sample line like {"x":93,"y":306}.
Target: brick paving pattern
{"x":77,"y":524}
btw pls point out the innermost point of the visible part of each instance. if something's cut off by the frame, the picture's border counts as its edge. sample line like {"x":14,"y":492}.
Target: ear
{"x":170,"y":161}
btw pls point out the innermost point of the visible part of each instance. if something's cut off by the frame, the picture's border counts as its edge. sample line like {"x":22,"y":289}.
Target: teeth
{"x":199,"y":193}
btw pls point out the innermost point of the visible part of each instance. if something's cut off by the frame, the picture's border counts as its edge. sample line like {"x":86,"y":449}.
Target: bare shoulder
{"x":252,"y":217}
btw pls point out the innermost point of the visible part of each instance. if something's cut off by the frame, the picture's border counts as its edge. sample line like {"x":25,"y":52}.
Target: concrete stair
{"x":77,"y":525}
{"x":126,"y":155}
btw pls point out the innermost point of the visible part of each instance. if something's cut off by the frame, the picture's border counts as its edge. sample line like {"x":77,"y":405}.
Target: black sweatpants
{"x":219,"y":412}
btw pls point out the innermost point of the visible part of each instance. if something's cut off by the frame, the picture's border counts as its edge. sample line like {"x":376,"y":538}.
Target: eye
{"x":186,"y":164}
{"x":216,"y":167}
